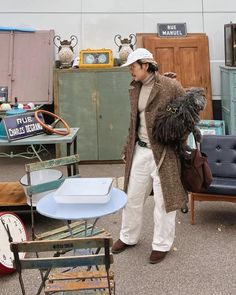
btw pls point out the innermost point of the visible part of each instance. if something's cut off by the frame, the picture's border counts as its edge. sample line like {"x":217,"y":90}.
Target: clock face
{"x":9,"y":224}
{"x":89,"y":59}
{"x":102,"y":58}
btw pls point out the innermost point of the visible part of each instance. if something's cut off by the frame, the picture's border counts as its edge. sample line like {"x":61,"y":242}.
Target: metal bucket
{"x":38,"y":177}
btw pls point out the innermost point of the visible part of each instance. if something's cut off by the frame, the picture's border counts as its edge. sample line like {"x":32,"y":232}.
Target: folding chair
{"x":85,"y":280}
{"x":75,"y":229}
{"x":72,"y":169}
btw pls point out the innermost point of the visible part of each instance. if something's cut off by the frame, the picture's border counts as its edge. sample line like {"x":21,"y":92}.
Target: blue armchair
{"x":221,"y":152}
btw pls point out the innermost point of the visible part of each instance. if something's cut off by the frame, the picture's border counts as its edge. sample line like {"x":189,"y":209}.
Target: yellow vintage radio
{"x":96,"y":58}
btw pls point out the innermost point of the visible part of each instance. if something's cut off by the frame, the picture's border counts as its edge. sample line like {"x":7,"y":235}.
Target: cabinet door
{"x":5,"y":45}
{"x":228,"y":98}
{"x":33,"y":67}
{"x":188,"y":57}
{"x":225,"y":100}
{"x":113,"y":112}
{"x":26,"y":65}
{"x":75,"y":102}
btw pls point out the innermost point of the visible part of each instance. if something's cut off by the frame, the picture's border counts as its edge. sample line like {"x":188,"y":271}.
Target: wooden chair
{"x":221,"y":152}
{"x":73,"y":279}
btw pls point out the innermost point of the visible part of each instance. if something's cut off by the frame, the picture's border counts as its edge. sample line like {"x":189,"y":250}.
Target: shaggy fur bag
{"x":172,"y":127}
{"x":173,"y":124}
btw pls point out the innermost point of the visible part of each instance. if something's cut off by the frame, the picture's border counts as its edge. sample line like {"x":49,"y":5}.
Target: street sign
{"x":22,"y":126}
{"x":172,"y":30}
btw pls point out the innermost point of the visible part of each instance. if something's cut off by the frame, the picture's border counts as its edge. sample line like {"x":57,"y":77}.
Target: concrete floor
{"x":202,"y":260}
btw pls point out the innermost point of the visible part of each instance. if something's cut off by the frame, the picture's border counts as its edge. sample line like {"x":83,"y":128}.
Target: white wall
{"x":97,"y":22}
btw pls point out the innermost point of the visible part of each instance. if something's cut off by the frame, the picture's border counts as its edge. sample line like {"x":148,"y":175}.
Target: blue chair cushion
{"x":222,"y":186}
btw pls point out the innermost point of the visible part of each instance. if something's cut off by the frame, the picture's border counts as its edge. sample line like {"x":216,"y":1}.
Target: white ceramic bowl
{"x":38,"y":177}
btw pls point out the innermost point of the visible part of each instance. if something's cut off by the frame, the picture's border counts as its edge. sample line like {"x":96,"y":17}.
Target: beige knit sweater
{"x":147,"y":85}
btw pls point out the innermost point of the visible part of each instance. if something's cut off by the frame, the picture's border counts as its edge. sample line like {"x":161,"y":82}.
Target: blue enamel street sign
{"x":22,"y":126}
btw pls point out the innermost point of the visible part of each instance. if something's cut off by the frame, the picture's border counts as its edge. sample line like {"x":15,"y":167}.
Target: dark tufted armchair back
{"x":221,"y":152}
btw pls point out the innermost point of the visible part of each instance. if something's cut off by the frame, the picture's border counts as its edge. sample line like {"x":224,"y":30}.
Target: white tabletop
{"x":48,"y":206}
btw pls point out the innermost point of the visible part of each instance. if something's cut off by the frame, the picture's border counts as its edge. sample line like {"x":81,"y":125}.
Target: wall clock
{"x":96,"y":58}
{"x":11,"y":229}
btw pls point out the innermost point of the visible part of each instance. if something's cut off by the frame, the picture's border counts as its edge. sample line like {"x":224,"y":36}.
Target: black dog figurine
{"x":173,"y":125}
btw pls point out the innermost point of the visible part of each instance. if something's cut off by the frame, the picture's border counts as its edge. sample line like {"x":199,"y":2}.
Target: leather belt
{"x":142,"y":143}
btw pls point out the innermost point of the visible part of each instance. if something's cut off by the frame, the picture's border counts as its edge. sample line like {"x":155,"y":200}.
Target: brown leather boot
{"x":157,"y":256}
{"x":119,"y":247}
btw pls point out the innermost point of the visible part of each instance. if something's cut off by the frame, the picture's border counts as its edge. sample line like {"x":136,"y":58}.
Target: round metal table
{"x":48,"y":206}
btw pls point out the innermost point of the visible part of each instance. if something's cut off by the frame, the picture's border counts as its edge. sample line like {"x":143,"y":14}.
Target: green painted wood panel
{"x":113,"y":113}
{"x":96,"y":101}
{"x":77,"y":105}
{"x":228,"y":98}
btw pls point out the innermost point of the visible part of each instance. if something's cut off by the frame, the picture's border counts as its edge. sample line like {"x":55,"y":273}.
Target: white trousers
{"x":144,"y":178}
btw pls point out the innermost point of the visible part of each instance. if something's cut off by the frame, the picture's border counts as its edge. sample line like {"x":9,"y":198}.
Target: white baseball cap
{"x":140,"y":53}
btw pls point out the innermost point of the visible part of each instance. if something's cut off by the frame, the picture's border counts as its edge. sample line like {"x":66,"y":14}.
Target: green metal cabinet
{"x":96,"y":101}
{"x":228,"y":98}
